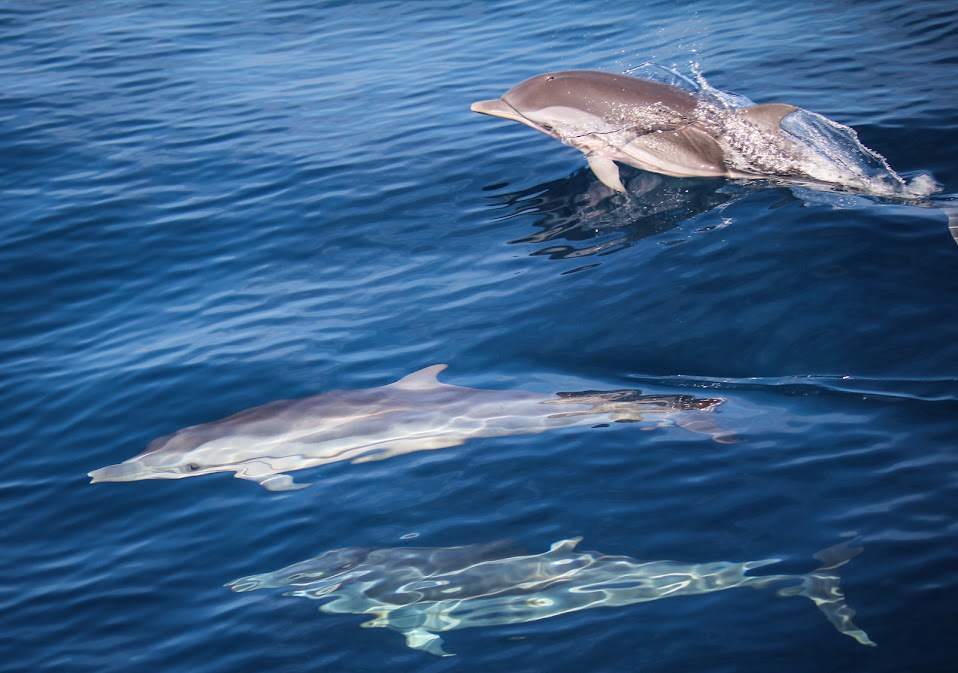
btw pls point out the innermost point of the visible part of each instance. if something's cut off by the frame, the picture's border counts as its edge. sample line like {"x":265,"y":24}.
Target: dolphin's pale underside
{"x":422,"y":592}
{"x":416,"y":413}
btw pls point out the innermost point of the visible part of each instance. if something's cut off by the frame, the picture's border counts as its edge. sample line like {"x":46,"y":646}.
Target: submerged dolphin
{"x":670,"y":130}
{"x":416,"y":413}
{"x":421,"y":591}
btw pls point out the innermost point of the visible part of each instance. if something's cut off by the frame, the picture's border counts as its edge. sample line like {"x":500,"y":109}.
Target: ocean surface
{"x":209,"y":206}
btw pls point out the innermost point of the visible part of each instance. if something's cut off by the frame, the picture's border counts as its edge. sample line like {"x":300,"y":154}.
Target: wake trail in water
{"x":925,"y":389}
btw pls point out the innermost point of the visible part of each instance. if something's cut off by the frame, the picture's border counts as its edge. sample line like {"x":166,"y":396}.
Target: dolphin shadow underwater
{"x":421,"y":592}
{"x":416,"y":413}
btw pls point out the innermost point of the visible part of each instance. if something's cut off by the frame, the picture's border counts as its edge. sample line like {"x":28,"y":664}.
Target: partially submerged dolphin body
{"x":667,"y":129}
{"x":416,"y":413}
{"x":421,"y":591}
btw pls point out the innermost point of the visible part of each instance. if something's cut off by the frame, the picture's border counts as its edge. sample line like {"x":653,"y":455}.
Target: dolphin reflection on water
{"x":421,"y":591}
{"x":578,"y":217}
{"x":416,"y":413}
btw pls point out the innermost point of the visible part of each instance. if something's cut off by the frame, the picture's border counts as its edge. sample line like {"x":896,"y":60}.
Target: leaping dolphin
{"x":416,"y":413}
{"x":421,"y":592}
{"x":667,"y":129}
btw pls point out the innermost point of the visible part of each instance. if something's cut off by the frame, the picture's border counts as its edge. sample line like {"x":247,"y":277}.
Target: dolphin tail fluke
{"x":822,"y":588}
{"x":420,"y":639}
{"x":951,"y":211}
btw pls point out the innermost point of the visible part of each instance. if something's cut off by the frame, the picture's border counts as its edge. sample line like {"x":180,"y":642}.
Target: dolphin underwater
{"x":416,"y":413}
{"x":667,"y":129}
{"x":421,"y":592}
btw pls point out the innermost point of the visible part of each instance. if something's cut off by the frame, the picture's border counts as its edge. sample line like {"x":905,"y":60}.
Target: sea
{"x":210,"y":206}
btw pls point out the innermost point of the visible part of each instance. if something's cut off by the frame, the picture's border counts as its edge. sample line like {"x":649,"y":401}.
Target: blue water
{"x":209,"y":206}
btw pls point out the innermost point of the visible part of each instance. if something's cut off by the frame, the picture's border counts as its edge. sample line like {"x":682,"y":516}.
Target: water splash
{"x":824,"y":152}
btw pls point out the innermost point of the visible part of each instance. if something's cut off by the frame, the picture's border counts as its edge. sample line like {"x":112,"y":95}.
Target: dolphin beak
{"x":497,"y":108}
{"x":120,"y":472}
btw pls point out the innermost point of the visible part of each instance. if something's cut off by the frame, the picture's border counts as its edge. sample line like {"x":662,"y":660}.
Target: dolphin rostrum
{"x":416,"y":413}
{"x":670,"y":130}
{"x":421,"y":592}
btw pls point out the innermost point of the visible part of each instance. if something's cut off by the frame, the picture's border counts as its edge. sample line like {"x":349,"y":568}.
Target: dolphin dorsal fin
{"x":769,"y":116}
{"x":421,"y":380}
{"x":565,"y":545}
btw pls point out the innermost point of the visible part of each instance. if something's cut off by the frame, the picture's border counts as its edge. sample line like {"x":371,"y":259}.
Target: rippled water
{"x":211,"y":206}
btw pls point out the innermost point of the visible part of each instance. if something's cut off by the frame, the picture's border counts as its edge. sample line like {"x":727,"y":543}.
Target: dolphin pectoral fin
{"x":273,"y":482}
{"x":281,"y":482}
{"x":607,"y":172}
{"x":769,"y":116}
{"x":420,"y":639}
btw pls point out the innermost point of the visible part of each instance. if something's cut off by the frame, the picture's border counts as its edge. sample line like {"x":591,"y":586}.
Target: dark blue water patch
{"x":212,"y":207}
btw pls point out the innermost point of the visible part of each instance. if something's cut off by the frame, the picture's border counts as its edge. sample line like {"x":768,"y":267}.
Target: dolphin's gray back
{"x":273,"y":418}
{"x":336,"y":414}
{"x":615,"y":98}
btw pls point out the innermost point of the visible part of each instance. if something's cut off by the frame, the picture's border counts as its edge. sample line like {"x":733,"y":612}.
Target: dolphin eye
{"x":550,"y":78}
{"x":193,"y":467}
